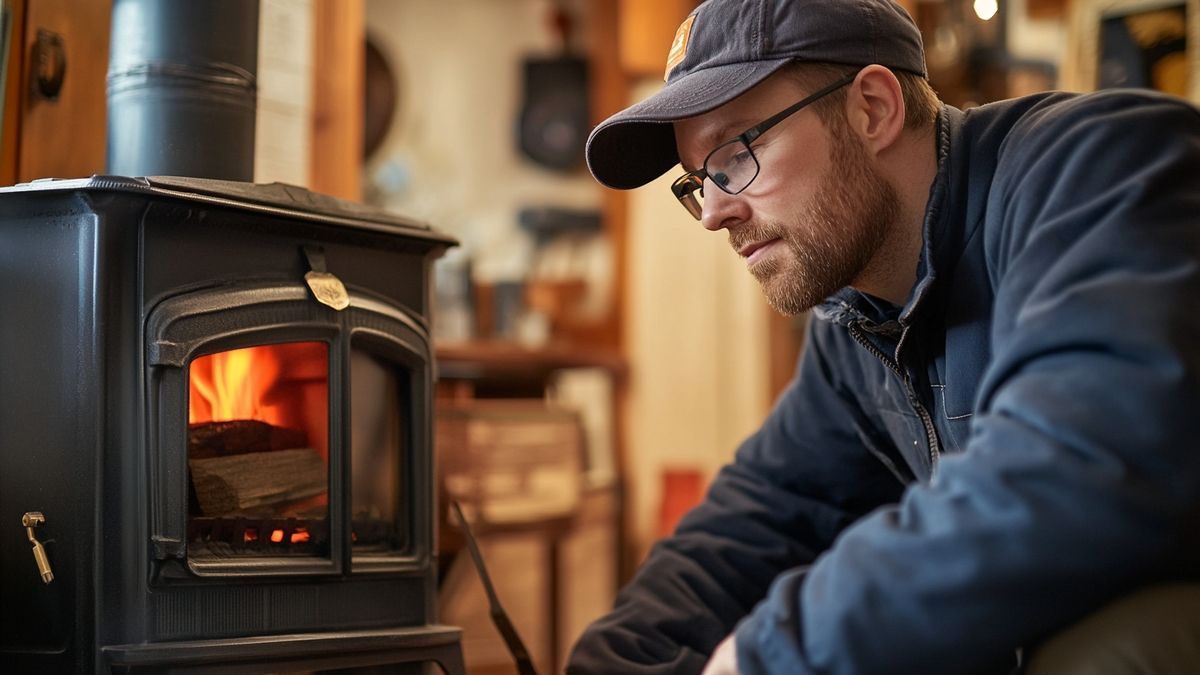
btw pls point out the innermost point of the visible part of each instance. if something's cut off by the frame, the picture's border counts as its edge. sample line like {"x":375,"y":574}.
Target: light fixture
{"x":986,"y":9}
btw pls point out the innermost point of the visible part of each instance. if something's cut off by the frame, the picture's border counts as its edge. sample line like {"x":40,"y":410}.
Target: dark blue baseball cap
{"x":726,"y":47}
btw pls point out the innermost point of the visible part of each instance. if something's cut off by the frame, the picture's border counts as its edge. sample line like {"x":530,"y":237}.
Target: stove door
{"x":288,"y":438}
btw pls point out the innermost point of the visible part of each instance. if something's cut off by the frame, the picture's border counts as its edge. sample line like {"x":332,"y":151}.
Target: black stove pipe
{"x":182,"y":88}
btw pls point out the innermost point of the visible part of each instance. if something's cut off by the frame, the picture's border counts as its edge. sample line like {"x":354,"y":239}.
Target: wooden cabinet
{"x":54,"y":110}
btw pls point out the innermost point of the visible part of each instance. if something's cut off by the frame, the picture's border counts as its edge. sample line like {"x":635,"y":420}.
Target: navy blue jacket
{"x":946,"y":482}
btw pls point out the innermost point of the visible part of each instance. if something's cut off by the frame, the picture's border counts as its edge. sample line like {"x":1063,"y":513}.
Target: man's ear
{"x":875,"y":108}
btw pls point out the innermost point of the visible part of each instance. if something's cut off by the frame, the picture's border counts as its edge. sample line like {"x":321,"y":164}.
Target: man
{"x":992,"y":433}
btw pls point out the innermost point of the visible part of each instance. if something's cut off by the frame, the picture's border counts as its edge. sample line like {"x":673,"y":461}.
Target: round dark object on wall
{"x":380,"y":95}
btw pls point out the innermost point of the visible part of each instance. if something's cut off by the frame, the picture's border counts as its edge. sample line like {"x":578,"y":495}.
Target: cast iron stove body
{"x":231,"y":475}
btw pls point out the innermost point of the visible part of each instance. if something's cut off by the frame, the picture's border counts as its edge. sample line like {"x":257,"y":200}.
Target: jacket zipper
{"x":893,"y":364}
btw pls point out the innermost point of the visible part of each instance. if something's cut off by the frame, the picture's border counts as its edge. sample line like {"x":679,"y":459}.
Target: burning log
{"x":237,"y":483}
{"x":235,"y":437}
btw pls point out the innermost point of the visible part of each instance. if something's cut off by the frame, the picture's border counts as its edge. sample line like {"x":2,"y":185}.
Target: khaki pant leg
{"x":1151,"y":632}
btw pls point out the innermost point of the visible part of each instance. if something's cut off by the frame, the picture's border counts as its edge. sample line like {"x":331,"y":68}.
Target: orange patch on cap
{"x":679,"y":45}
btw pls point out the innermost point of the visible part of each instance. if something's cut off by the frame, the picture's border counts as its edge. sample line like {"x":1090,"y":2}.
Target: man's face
{"x":817,"y":213}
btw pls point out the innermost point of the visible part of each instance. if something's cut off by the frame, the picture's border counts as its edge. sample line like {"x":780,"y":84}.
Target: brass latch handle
{"x":30,"y":521}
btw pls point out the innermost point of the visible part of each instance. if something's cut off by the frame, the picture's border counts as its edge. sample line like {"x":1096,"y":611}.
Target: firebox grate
{"x":225,"y":537}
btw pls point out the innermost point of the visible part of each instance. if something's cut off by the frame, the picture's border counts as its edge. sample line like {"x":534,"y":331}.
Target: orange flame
{"x":286,"y":385}
{"x":230,"y":385}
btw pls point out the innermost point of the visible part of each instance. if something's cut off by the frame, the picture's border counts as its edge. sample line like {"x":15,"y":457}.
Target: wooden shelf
{"x":506,"y":361}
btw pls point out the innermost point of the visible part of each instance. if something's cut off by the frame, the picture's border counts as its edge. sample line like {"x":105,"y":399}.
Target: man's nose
{"x":720,"y":209}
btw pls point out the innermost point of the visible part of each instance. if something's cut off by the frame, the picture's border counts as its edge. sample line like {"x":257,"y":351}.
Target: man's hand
{"x":723,"y":660}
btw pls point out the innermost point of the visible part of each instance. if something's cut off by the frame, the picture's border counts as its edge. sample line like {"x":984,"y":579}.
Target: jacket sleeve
{"x":797,"y":482}
{"x":1081,"y":478}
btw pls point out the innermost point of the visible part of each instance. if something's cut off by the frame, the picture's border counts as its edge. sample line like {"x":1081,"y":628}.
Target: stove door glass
{"x":258,"y":452}
{"x":380,"y":393}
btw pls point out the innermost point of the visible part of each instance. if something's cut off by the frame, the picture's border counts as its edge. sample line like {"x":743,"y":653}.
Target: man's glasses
{"x":732,"y":166}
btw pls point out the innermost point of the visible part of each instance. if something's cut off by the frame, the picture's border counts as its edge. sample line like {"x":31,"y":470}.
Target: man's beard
{"x":832,"y":238}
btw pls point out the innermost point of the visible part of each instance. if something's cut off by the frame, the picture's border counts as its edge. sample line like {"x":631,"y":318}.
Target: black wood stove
{"x":215,"y":419}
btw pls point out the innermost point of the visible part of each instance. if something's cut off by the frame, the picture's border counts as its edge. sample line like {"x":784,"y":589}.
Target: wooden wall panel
{"x":646,"y":31}
{"x":1046,"y":10}
{"x":339,"y":56}
{"x":610,"y":93}
{"x":910,"y":5}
